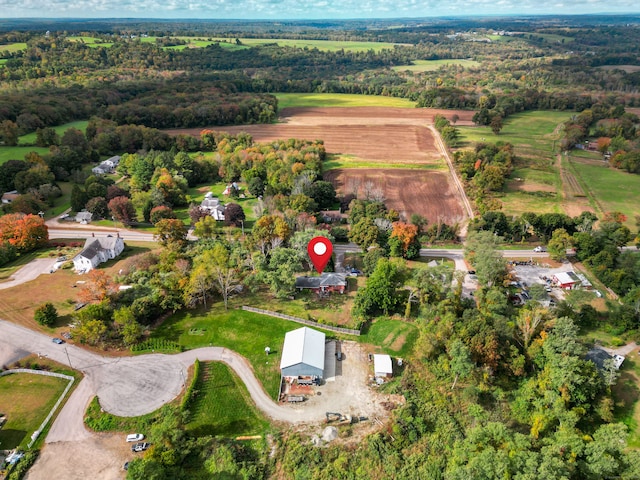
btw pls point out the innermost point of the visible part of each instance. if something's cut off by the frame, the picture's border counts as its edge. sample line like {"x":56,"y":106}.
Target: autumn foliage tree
{"x":403,"y":240}
{"x":24,"y":232}
{"x":98,"y":286}
{"x":122,"y":210}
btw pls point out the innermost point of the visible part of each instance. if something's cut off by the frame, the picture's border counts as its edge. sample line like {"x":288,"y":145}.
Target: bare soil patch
{"x":430,"y":194}
{"x":101,"y":456}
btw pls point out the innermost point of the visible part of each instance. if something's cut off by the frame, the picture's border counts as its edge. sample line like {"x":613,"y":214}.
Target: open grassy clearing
{"x":395,"y":337}
{"x":612,"y":189}
{"x":26,"y":400}
{"x":626,"y":394}
{"x":30,"y":138}
{"x":335,"y":161}
{"x":286,"y":100}
{"x":326,"y":45}
{"x":432,"y":65}
{"x":18,"y":153}
{"x":13,"y":47}
{"x":223,"y":406}
{"x":90,"y":41}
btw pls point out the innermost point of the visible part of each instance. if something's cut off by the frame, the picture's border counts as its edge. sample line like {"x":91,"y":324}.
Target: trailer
{"x":294,"y":398}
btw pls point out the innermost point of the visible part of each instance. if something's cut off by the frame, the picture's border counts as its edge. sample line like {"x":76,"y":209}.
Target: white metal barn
{"x":303,"y":353}
{"x":382,"y":365}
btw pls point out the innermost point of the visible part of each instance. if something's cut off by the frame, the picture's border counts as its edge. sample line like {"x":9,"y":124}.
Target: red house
{"x":327,"y":282}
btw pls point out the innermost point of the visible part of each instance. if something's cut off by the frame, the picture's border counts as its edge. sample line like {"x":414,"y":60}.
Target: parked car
{"x":135,"y":437}
{"x":57,"y":341}
{"x":140,"y":447}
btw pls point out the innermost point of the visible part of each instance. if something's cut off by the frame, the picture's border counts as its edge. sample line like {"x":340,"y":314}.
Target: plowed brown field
{"x":430,"y":194}
{"x":375,"y":134}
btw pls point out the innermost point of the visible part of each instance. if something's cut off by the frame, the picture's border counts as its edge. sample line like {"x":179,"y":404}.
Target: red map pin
{"x":320,"y":250}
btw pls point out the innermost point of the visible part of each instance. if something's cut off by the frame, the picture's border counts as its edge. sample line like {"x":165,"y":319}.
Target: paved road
{"x":132,"y":386}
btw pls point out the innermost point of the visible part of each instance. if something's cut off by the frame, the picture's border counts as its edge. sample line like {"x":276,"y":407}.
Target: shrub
{"x":46,"y":314}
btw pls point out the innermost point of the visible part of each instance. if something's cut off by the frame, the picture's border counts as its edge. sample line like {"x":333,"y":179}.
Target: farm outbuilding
{"x":382,"y":366}
{"x":303,"y":353}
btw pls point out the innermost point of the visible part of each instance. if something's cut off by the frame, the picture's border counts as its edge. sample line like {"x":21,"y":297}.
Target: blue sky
{"x":301,"y":9}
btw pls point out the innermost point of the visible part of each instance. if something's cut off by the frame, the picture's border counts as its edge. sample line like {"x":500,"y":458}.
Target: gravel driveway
{"x":30,"y":271}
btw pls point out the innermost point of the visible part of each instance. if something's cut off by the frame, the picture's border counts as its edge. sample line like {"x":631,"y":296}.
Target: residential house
{"x":107,"y":166}
{"x":212,"y":206}
{"x":327,"y":282}
{"x":97,"y":251}
{"x":84,"y":217}
{"x":9,"y":197}
{"x":599,"y":356}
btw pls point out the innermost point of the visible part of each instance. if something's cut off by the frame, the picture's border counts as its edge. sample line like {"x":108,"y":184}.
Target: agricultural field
{"x":223,"y":406}
{"x":26,"y":399}
{"x":536,"y":184}
{"x":30,"y":138}
{"x":611,"y":189}
{"x":286,"y":100}
{"x":433,"y":65}
{"x":326,"y":45}
{"x":90,"y":41}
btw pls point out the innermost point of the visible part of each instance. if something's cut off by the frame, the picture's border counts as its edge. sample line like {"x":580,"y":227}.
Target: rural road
{"x":132,"y":386}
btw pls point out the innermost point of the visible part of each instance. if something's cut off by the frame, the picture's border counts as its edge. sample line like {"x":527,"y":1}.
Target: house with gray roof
{"x":327,"y":282}
{"x":97,"y":251}
{"x":84,"y":217}
{"x":212,"y":206}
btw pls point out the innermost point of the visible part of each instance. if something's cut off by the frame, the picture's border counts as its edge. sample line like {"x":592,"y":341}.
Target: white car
{"x":135,"y":437}
{"x":539,"y":249}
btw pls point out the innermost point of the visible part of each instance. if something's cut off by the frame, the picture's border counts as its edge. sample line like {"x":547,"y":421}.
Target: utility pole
{"x":68,"y":359}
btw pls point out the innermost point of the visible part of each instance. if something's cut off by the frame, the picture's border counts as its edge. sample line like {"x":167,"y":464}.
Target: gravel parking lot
{"x":531,"y":274}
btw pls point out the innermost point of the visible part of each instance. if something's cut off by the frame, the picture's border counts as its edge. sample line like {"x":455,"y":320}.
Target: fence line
{"x":37,"y":433}
{"x":311,"y":323}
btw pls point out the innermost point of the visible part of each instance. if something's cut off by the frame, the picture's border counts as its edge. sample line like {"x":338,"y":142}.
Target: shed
{"x":382,"y":365}
{"x":303,"y":353}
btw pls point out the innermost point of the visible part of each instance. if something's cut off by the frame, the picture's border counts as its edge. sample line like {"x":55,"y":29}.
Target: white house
{"x":212,"y":206}
{"x":97,"y":251}
{"x":9,"y":197}
{"x":107,"y":166}
{"x":84,"y":217}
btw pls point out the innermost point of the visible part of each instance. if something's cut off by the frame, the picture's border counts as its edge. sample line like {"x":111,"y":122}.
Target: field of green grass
{"x":286,"y":100}
{"x":18,"y":153}
{"x":394,"y":337}
{"x":326,"y":45}
{"x":614,"y":190}
{"x":90,"y":41}
{"x":432,"y":65}
{"x":2,"y":62}
{"x":26,"y":399}
{"x":335,"y":161}
{"x":223,"y":406}
{"x":13,"y":47}
{"x":30,"y":138}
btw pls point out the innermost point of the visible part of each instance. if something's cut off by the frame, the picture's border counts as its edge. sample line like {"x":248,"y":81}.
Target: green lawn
{"x":13,"y":47}
{"x":394,"y":337}
{"x":2,"y":62}
{"x":326,"y":45}
{"x":30,"y":138}
{"x":26,"y":400}
{"x":614,"y":190}
{"x":432,"y":65}
{"x":18,"y":153}
{"x":244,"y":332}
{"x":340,"y":100}
{"x":222,"y":405}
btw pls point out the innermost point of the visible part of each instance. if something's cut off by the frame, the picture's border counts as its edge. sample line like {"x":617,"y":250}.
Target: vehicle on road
{"x":140,"y":447}
{"x":57,"y":341}
{"x":135,"y":437}
{"x":539,"y":249}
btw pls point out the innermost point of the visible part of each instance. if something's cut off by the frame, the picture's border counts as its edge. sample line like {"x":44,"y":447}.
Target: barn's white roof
{"x":303,"y":345}
{"x":382,"y":364}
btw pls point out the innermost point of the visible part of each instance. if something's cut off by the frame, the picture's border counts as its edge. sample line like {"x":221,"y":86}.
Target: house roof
{"x":382,"y":364}
{"x":84,"y":216}
{"x":303,"y":345}
{"x":92,"y":246}
{"x":566,"y":277}
{"x":115,"y":160}
{"x":599,"y":356}
{"x":210,"y":202}
{"x":324,"y":280}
